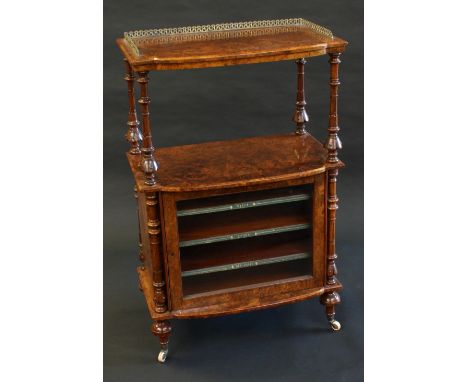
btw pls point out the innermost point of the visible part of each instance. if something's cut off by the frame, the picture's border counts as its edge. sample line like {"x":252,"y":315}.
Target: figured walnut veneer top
{"x":227,"y":44}
{"x":243,"y":162}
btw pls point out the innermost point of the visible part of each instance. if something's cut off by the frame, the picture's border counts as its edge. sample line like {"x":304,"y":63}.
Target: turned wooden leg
{"x":300,"y":115}
{"x":162,"y":329}
{"x":332,"y":144}
{"x":330,"y":299}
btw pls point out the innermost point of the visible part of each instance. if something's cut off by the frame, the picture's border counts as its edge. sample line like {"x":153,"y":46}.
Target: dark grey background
{"x":292,"y":342}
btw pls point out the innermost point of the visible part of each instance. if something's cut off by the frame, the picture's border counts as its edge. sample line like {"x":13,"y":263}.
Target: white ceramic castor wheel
{"x":162,"y":355}
{"x":335,"y":325}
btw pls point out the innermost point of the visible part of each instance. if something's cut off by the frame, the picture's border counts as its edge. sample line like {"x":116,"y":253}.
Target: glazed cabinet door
{"x":240,"y":247}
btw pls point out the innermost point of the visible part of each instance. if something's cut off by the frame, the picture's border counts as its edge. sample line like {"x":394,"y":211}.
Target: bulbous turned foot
{"x":162,"y":329}
{"x":330,"y":299}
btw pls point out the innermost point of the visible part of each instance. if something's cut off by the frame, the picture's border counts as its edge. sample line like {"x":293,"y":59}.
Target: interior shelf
{"x":220,"y":281}
{"x":242,"y":201}
{"x":237,"y":240}
{"x":246,"y":264}
{"x":243,"y":223}
{"x":255,"y":249}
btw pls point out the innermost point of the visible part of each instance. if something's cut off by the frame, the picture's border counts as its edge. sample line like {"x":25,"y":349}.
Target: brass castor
{"x":335,"y":325}
{"x":162,"y":355}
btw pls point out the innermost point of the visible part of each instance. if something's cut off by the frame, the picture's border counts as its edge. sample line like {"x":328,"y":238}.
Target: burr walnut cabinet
{"x":233,"y":226}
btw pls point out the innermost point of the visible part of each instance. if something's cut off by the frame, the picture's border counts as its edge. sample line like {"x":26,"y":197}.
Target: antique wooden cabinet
{"x":233,"y":226}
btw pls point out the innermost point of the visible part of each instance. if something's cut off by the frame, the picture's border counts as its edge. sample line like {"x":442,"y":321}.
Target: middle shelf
{"x":242,"y":223}
{"x":251,"y":252}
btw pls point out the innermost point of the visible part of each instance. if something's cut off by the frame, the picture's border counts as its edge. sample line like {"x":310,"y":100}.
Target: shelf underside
{"x":235,"y":163}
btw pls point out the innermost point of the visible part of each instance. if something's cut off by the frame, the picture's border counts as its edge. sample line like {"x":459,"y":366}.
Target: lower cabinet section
{"x":238,"y":245}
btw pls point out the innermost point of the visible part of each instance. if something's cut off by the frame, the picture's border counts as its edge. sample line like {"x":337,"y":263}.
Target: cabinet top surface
{"x":227,"y":44}
{"x":226,"y":164}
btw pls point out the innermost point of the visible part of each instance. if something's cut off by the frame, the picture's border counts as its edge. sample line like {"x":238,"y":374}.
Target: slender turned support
{"x":148,"y":163}
{"x":300,"y":116}
{"x":332,"y":144}
{"x":154,"y":232}
{"x":133,"y":134}
{"x":331,"y":227}
{"x":162,"y":329}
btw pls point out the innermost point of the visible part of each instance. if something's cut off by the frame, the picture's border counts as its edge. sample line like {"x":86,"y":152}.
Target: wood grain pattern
{"x":234,"y":306}
{"x":237,"y":163}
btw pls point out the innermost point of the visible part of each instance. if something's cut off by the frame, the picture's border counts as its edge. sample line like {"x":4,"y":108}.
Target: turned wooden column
{"x":148,"y":163}
{"x":332,"y":144}
{"x":332,"y":206}
{"x":300,"y":116}
{"x":154,"y":232}
{"x":133,"y":134}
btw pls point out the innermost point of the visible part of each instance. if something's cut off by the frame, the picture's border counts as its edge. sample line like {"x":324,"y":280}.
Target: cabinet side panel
{"x":171,"y":249}
{"x":144,"y":232}
{"x":319,"y":229}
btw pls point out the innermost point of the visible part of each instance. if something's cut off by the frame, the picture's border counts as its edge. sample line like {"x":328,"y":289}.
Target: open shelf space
{"x":221,"y":281}
{"x":243,"y":223}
